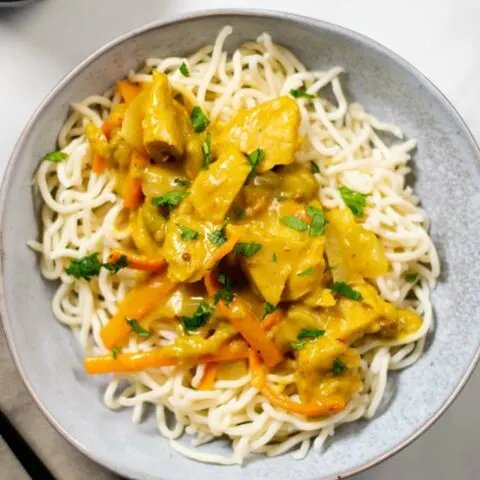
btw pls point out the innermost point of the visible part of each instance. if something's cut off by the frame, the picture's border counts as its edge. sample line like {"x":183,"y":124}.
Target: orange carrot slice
{"x":127,"y":90}
{"x":137,"y":262}
{"x":132,"y":193}
{"x":209,"y":375}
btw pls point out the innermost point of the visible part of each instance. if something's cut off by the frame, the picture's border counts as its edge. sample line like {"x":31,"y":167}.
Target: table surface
{"x":40,"y":43}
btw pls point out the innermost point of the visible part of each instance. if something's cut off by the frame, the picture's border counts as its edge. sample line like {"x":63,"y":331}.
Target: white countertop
{"x":42,"y":42}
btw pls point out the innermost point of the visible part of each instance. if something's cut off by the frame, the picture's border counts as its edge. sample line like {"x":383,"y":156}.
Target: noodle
{"x":82,"y":214}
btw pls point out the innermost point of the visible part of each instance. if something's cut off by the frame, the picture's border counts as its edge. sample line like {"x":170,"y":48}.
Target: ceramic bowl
{"x":446,"y":179}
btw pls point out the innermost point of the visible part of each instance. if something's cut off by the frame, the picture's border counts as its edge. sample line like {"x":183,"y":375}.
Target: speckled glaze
{"x":446,"y":178}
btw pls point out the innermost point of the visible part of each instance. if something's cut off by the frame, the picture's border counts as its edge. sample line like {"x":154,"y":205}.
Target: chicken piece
{"x":132,"y":131}
{"x":215,"y":188}
{"x":162,"y":135}
{"x":141,"y":236}
{"x":271,"y":126}
{"x":355,"y":252}
{"x":162,"y":178}
{"x":298,"y":182}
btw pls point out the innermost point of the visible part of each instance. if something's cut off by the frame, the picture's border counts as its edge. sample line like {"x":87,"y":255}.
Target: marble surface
{"x":42,"y":42}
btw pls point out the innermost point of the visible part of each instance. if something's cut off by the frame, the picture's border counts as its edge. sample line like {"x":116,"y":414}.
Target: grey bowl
{"x":446,"y":178}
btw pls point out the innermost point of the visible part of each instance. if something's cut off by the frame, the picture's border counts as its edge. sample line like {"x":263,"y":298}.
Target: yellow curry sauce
{"x":238,"y":253}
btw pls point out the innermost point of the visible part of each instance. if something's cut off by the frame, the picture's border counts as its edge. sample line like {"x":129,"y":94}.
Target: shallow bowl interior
{"x":446,"y":177}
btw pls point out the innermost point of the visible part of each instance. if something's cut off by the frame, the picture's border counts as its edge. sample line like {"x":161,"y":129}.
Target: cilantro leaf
{"x":199,"y":120}
{"x":295,"y":223}
{"x":315,"y":168}
{"x":355,"y":201}
{"x":56,"y":156}
{"x":182,"y":182}
{"x":254,"y":159}
{"x":170,"y":199}
{"x":115,"y":352}
{"x":225,"y":292}
{"x":200,"y":317}
{"x":318,"y":224}
{"x":114,"y":267}
{"x":85,"y":267}
{"x":338,"y":367}
{"x":306,"y":273}
{"x":296,"y":345}
{"x":345,"y":290}
{"x":218,"y":237}
{"x":311,"y":333}
{"x":187,"y":233}
{"x":184,"y":70}
{"x":411,"y":277}
{"x":240,"y":213}
{"x":268,"y":308}
{"x":137,"y":328}
{"x":247,"y":249}
{"x":300,"y":93}
{"x":207,"y":151}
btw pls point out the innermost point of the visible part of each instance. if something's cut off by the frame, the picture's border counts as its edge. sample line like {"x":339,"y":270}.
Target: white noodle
{"x":343,"y":141}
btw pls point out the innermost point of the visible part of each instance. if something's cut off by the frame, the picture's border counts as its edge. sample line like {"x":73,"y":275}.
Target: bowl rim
{"x":172,"y":20}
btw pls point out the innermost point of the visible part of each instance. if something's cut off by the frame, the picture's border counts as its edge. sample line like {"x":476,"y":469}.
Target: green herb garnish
{"x":137,"y":328}
{"x":338,"y":367}
{"x":207,"y":151}
{"x":115,"y":352}
{"x":411,"y":277}
{"x":254,"y":159}
{"x":268,"y":308}
{"x":295,"y":223}
{"x":296,"y":345}
{"x":345,"y":290}
{"x":310,"y":333}
{"x":218,"y":237}
{"x":114,"y":267}
{"x":281,"y":197}
{"x":182,"y":182}
{"x":225,"y":292}
{"x":85,"y":267}
{"x":318,"y":223}
{"x":199,"y":318}
{"x":306,"y":273}
{"x":300,"y":93}
{"x":187,"y":233}
{"x":199,"y":120}
{"x":355,"y":201}
{"x":55,"y":156}
{"x":315,"y":168}
{"x":247,"y":249}
{"x":184,"y":70}
{"x":274,"y":257}
{"x":170,"y":199}
{"x":240,"y":213}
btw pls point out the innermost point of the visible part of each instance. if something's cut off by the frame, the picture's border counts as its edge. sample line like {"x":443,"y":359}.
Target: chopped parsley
{"x":55,"y":156}
{"x":184,"y":70}
{"x":300,"y":93}
{"x":181,"y":182}
{"x":345,"y":290}
{"x":268,"y":308}
{"x":85,"y":267}
{"x":199,"y":120}
{"x":274,"y":257}
{"x":315,"y":168}
{"x":318,"y":223}
{"x":297,"y":345}
{"x":310,"y":333}
{"x":218,"y":237}
{"x":114,"y":267}
{"x":200,"y":317}
{"x":170,"y":199}
{"x":137,"y":328}
{"x":247,"y":249}
{"x":411,"y":277}
{"x":338,"y":367}
{"x":207,"y":151}
{"x":306,"y":273}
{"x":225,"y":292}
{"x":254,"y":159}
{"x":281,"y":197}
{"x":295,"y":223}
{"x":115,"y":352}
{"x":187,"y":233}
{"x":355,"y":201}
{"x":240,"y":213}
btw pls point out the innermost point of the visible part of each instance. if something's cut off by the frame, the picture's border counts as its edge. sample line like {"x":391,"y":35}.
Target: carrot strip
{"x":98,"y":163}
{"x":132,"y":194}
{"x":137,"y":262}
{"x":326,"y":406}
{"x":127,"y":90}
{"x":137,"y":303}
{"x":138,"y":361}
{"x":272,"y":319}
{"x":209,"y":375}
{"x":249,"y":326}
{"x":223,"y":251}
{"x":107,"y":128}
